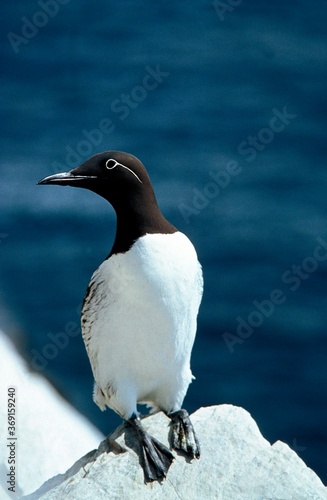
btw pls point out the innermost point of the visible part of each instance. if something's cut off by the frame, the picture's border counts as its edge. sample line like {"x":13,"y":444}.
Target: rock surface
{"x":50,"y":433}
{"x":236,"y":463}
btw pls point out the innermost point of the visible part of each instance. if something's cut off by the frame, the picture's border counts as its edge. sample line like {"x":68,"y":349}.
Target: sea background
{"x":221,"y":77}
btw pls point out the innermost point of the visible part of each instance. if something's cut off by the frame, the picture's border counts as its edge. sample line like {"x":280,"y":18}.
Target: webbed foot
{"x":155,"y":457}
{"x":183,"y":436}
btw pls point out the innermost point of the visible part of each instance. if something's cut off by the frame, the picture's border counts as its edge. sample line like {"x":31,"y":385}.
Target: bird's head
{"x":116,"y":176}
{"x":122,"y":180}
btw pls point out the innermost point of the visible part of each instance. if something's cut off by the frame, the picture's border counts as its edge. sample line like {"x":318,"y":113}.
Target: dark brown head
{"x":122,"y":180}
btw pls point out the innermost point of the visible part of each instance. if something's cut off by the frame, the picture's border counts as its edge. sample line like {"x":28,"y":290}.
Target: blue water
{"x":219,"y":84}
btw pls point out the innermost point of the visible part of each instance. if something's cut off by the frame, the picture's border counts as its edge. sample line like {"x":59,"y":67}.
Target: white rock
{"x":236,"y":463}
{"x":50,"y":433}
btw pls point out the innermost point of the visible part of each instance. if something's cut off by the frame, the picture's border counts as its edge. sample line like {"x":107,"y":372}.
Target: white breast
{"x":139,"y":323}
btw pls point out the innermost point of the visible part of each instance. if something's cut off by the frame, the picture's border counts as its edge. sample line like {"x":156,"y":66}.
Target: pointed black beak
{"x":66,"y":179}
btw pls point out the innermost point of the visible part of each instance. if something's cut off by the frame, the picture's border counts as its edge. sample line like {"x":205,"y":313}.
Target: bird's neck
{"x":135,"y":219}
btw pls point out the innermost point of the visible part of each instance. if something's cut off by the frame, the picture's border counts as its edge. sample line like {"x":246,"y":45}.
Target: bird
{"x":139,"y":315}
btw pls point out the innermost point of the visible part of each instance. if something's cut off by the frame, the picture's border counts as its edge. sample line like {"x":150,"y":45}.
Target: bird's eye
{"x":110,"y":164}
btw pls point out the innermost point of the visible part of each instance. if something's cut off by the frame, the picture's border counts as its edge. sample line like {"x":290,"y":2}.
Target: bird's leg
{"x":183,"y":435}
{"x":155,"y":457}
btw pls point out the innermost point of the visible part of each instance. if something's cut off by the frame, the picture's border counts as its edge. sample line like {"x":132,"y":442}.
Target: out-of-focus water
{"x":257,"y":76}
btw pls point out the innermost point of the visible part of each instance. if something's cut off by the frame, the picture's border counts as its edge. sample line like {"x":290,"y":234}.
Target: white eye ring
{"x":116,"y":164}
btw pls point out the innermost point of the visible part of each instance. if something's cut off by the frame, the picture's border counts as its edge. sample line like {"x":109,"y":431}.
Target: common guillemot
{"x":140,"y":309}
